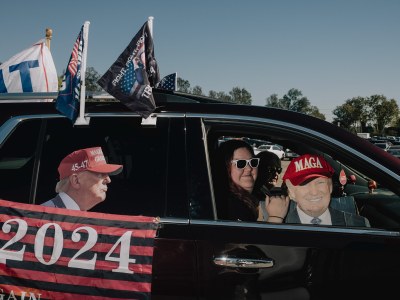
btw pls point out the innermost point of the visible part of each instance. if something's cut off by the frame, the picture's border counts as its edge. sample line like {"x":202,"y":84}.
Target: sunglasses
{"x":242,"y":163}
{"x":274,"y":170}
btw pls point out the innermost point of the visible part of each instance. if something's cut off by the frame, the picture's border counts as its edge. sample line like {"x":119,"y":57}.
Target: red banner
{"x":56,"y":253}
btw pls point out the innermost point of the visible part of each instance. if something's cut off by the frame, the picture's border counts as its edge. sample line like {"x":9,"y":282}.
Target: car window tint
{"x":141,"y":188}
{"x":199,"y":193}
{"x":17,"y":157}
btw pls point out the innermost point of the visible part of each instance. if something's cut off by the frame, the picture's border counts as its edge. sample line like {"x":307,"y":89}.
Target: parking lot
{"x":284,"y":164}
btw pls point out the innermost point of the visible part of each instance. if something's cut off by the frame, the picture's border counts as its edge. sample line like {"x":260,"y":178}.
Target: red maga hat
{"x":89,"y":159}
{"x":306,"y":167}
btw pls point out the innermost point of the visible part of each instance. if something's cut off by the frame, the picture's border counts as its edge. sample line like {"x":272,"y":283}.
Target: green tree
{"x":314,"y":111}
{"x":353,"y":114}
{"x":295,"y":101}
{"x":219,"y":96}
{"x":183,"y":85}
{"x":197,"y":90}
{"x":60,"y":79}
{"x":274,"y":101}
{"x":240,"y":96}
{"x":91,"y":80}
{"x":344,"y":116}
{"x":383,"y":111}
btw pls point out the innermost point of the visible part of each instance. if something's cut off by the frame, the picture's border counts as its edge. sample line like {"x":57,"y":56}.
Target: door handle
{"x":248,"y":263}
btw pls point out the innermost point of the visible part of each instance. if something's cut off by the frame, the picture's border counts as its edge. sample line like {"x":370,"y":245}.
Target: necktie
{"x":316,"y":221}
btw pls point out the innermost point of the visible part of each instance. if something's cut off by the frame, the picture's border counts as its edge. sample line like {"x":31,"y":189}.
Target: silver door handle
{"x":249,"y":263}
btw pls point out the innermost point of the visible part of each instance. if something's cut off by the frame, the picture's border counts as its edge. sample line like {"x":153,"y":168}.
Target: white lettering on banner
{"x":123,"y":70}
{"x":77,"y":166}
{"x":308,"y":164}
{"x":119,"y":252}
{"x":147,"y":91}
{"x":119,"y":77}
{"x":20,"y":294}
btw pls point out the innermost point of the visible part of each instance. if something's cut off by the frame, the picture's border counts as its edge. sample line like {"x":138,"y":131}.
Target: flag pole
{"x":81,"y":120}
{"x":150,"y":120}
{"x":49,"y":35}
{"x":150,"y":22}
{"x":176,"y":82}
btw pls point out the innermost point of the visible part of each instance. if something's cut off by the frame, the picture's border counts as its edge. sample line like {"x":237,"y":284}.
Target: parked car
{"x":395,"y":152}
{"x":383,"y":145}
{"x":289,"y":154}
{"x":168,"y":173}
{"x":271,"y":148}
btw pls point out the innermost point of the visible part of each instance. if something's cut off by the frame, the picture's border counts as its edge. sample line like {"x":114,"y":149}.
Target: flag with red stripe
{"x":56,"y":253}
{"x":68,"y":97}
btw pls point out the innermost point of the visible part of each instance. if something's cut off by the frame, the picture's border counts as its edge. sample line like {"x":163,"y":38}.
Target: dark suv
{"x":168,"y":173}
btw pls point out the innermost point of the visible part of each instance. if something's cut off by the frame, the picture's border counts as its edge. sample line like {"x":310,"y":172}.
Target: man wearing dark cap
{"x":84,"y":176}
{"x":309,"y":182}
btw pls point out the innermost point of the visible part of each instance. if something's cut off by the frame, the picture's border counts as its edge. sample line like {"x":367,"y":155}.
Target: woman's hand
{"x":277,"y":207}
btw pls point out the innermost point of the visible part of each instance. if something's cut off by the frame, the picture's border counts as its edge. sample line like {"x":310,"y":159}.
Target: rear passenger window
{"x":17,"y":157}
{"x":152,"y":174}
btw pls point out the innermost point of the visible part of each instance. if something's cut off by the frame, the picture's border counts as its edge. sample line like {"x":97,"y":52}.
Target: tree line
{"x":375,"y":114}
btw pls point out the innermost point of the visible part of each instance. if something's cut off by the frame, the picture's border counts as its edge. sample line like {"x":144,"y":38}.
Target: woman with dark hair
{"x":236,"y":172}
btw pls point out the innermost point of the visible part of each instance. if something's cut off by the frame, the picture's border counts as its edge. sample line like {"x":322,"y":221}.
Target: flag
{"x":131,"y":78}
{"x":31,"y":70}
{"x":67,"y":101}
{"x":57,"y":253}
{"x":168,"y":82}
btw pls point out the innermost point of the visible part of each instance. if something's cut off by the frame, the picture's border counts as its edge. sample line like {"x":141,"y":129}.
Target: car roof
{"x":170,"y":101}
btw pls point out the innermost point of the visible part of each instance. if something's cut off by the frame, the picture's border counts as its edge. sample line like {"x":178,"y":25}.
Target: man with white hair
{"x":84,"y":176}
{"x":309,"y":182}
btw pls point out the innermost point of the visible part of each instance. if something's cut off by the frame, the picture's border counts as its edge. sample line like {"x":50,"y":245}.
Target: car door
{"x":258,"y":260}
{"x":152,"y":183}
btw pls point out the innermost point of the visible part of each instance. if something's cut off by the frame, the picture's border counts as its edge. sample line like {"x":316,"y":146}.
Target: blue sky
{"x":330,"y":50}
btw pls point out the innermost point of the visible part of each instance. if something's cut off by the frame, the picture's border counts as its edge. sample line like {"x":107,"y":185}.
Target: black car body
{"x":168,"y":173}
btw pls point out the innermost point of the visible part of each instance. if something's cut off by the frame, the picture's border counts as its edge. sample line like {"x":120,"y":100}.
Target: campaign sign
{"x":57,"y":253}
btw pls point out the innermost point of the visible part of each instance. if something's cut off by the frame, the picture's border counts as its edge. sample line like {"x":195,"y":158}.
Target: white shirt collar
{"x":69,"y":202}
{"x":306,"y":219}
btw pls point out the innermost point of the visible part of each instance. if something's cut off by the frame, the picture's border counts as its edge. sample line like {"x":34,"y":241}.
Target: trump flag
{"x":68,"y":97}
{"x":131,"y":78}
{"x":31,"y":70}
{"x":57,"y":253}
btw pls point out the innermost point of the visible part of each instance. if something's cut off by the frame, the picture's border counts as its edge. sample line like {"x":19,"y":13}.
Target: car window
{"x":17,"y":160}
{"x":373,"y":195}
{"x":152,"y":173}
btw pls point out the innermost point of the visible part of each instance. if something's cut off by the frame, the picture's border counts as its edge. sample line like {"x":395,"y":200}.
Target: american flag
{"x":168,"y":82}
{"x":73,"y":63}
{"x":129,"y":79}
{"x":67,"y":101}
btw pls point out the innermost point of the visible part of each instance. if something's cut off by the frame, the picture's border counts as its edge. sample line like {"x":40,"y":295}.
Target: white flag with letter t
{"x":31,"y":70}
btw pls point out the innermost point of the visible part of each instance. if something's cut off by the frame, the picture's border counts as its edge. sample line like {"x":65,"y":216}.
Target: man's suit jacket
{"x":339,"y":218}
{"x":55,"y":202}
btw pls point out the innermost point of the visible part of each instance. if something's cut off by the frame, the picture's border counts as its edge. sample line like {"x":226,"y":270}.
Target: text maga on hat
{"x":306,"y":167}
{"x":308,"y":163}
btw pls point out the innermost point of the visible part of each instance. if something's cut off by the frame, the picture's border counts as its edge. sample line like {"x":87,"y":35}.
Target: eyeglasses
{"x":242,"y":163}
{"x":274,"y":170}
